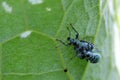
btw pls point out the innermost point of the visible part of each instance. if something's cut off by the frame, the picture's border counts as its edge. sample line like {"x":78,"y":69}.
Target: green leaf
{"x":28,"y":47}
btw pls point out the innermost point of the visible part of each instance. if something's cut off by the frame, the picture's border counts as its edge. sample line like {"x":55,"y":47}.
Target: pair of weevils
{"x":83,"y":49}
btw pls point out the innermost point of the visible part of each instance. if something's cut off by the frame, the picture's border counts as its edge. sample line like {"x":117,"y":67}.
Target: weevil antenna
{"x":77,"y":34}
{"x":69,"y":31}
{"x":61,"y":42}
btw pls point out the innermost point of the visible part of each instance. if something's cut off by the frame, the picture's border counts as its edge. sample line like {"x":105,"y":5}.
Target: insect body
{"x":83,"y":49}
{"x":92,"y":57}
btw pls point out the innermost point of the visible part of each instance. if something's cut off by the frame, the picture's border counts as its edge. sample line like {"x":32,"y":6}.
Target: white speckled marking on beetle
{"x":33,"y":2}
{"x":7,"y":8}
{"x":25,"y":34}
{"x":48,"y":9}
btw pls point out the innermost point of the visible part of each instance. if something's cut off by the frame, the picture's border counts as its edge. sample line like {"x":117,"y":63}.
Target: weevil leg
{"x":66,"y":44}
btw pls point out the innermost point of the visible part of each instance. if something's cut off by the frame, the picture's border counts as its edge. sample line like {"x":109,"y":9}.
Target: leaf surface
{"x":28,"y":47}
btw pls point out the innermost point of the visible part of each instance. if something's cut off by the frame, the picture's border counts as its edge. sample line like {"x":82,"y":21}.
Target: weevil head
{"x":71,"y":40}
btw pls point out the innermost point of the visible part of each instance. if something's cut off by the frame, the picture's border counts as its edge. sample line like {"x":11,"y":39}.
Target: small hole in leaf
{"x":65,"y":70}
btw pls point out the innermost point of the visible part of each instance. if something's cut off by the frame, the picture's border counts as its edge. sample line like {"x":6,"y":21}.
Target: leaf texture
{"x":28,"y":47}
